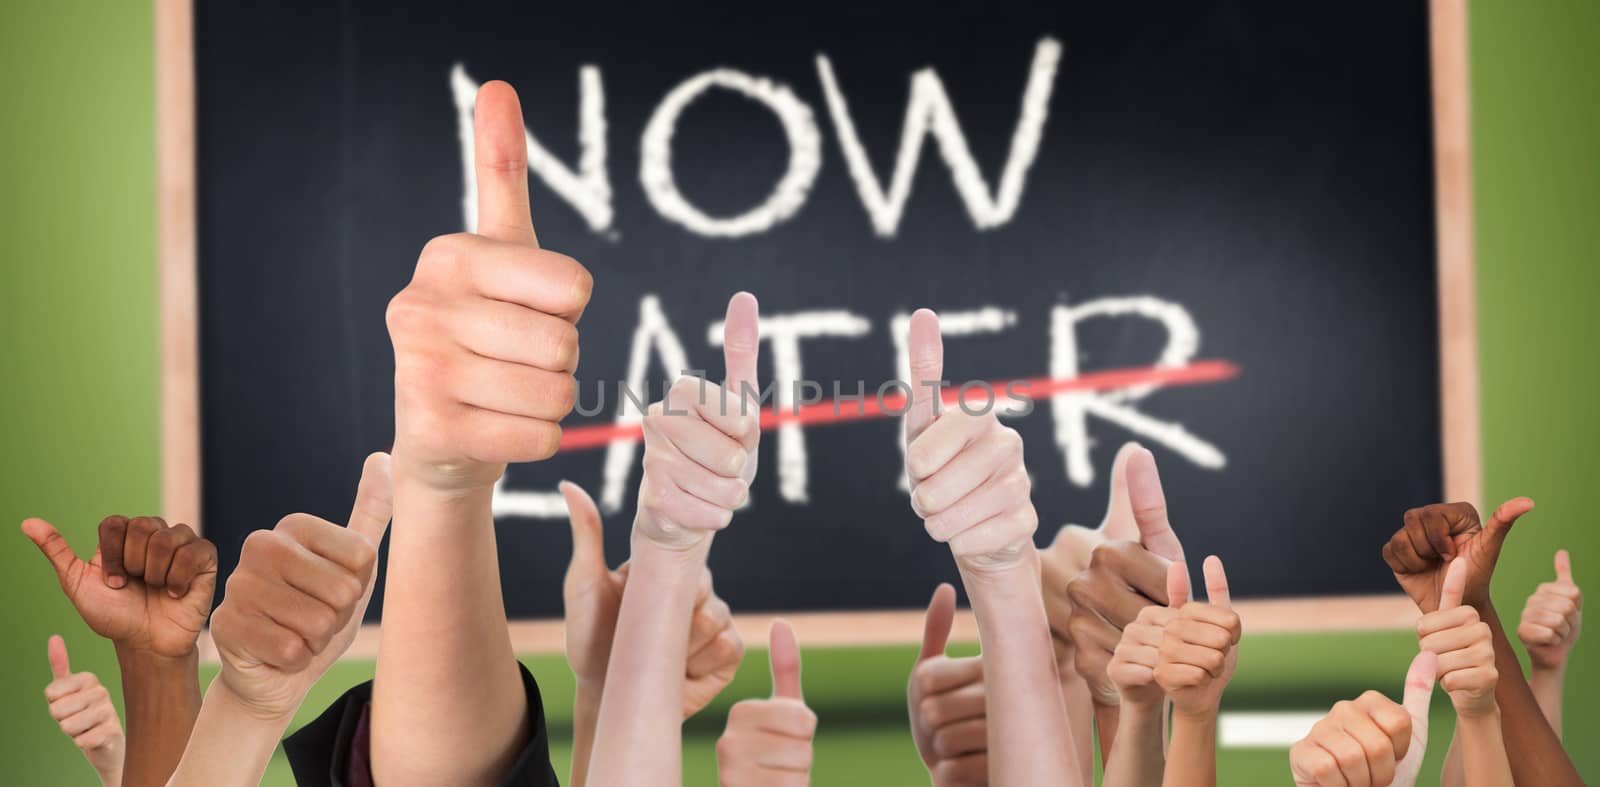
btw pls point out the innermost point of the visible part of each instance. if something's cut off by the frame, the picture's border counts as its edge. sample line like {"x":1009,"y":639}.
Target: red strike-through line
{"x":893,"y":403}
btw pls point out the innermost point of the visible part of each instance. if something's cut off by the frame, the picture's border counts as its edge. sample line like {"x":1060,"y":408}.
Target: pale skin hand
{"x":1466,"y":667}
{"x":1371,"y":741}
{"x":485,"y":344}
{"x":699,"y":459}
{"x":1549,"y":628}
{"x":970,"y":487}
{"x":1433,"y":536}
{"x":1065,"y":558}
{"x":592,"y":595}
{"x":148,"y":589}
{"x":83,"y":709}
{"x":1139,"y":758}
{"x":293,"y":607}
{"x":767,"y":743}
{"x":1199,"y":653}
{"x":945,"y":700}
{"x":1123,"y":577}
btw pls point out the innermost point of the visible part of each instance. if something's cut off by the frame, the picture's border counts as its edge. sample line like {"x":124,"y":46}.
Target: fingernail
{"x":116,"y":581}
{"x":174,"y":593}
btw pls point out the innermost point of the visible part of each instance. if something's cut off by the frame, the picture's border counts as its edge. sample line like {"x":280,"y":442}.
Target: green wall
{"x":78,"y":378}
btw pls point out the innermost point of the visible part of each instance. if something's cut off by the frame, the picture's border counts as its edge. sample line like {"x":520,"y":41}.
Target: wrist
{"x":1137,"y":707}
{"x":1547,"y":671}
{"x":1479,"y":716}
{"x":254,"y":712}
{"x":137,"y":660}
{"x":443,"y":487}
{"x":1201,"y":715}
{"x":644,"y":551}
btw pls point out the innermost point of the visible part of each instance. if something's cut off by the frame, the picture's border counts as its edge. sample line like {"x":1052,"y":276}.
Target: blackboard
{"x":1259,"y":175}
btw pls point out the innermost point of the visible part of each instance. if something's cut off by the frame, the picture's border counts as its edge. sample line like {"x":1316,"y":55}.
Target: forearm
{"x":1546,"y":684}
{"x":1450,"y":775}
{"x":1105,"y":727}
{"x":1192,"y":762}
{"x":1027,"y":717}
{"x":585,"y":718}
{"x":1080,"y":719}
{"x":1483,"y":751}
{"x":108,"y":766}
{"x":448,"y":702}
{"x":1138,"y":759}
{"x":233,"y":745}
{"x":161,"y":697}
{"x":639,"y":735}
{"x":1536,"y":753}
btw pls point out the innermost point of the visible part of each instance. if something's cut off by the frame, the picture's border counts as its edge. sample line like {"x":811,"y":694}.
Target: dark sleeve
{"x":331,"y":751}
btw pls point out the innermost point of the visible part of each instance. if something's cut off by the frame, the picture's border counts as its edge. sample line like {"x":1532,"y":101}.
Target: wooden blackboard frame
{"x":1457,"y":332}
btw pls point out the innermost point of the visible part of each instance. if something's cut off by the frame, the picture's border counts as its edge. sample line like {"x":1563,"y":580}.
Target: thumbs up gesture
{"x":968,"y":482}
{"x":148,"y":587}
{"x":947,"y":702}
{"x":1434,"y":535}
{"x":1371,"y":740}
{"x":83,"y":709}
{"x":1552,"y":618}
{"x":768,"y":742}
{"x":1072,"y":548}
{"x":485,"y":336}
{"x":592,"y":596}
{"x":700,"y":443}
{"x":1132,"y":668}
{"x":1200,"y":646}
{"x":1462,"y":642}
{"x":296,"y":599}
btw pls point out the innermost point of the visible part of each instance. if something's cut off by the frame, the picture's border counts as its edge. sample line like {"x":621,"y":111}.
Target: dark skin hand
{"x":1418,"y":554}
{"x":148,"y":588}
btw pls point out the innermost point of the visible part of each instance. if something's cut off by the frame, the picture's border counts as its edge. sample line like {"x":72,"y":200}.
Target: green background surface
{"x":79,"y":383}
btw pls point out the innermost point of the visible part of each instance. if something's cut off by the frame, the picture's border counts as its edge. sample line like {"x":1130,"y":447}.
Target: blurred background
{"x":80,"y":392}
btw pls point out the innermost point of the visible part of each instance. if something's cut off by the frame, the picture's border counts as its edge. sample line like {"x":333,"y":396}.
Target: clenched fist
{"x":1434,"y":535}
{"x":946,"y":700}
{"x":1132,"y":668}
{"x":767,"y":743}
{"x":83,"y":709}
{"x":700,"y":443}
{"x":1461,"y":640}
{"x":1200,"y":645}
{"x":1552,"y":618}
{"x":148,"y":587}
{"x":592,"y":595}
{"x":1370,"y":741}
{"x":485,"y":337}
{"x":296,"y":599}
{"x":968,"y":482}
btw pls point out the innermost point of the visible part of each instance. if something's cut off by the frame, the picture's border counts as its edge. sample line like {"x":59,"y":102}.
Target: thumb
{"x":374,"y":504}
{"x":57,"y":649}
{"x":500,"y":163}
{"x":937,"y":623}
{"x":741,"y":344}
{"x":1177,"y":584}
{"x":783,"y":652}
{"x":1455,"y":585}
{"x":1500,"y":522}
{"x":1419,"y":693}
{"x":1563,"y":566}
{"x":1149,"y":504}
{"x":49,"y":541}
{"x":926,"y":347}
{"x":1216,"y":583}
{"x":1119,"y":522}
{"x":588,"y":542}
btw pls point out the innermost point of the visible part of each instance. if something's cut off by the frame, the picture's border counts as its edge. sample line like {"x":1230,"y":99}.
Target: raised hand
{"x":1072,"y":548}
{"x":296,"y":599}
{"x":1552,"y":618}
{"x":968,"y":482}
{"x":1371,"y":740}
{"x":946,"y":703}
{"x":1200,"y":645}
{"x":1123,"y":577}
{"x":485,"y":335}
{"x":1434,"y":535}
{"x":148,"y":587}
{"x":1132,"y":668}
{"x":592,"y":595}
{"x":1461,"y":640}
{"x":83,"y":709}
{"x":768,"y":742}
{"x":700,"y":443}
